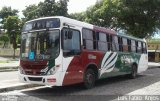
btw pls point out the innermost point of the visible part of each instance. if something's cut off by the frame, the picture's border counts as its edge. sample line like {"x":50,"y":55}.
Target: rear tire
{"x":133,"y":74}
{"x":89,"y":78}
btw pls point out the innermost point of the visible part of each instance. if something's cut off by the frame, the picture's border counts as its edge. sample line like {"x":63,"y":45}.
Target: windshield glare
{"x":40,"y":45}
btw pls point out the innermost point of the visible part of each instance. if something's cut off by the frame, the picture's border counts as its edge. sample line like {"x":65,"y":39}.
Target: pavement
{"x":153,"y":64}
{"x":11,"y":85}
{"x":146,"y":87}
{"x":8,"y":64}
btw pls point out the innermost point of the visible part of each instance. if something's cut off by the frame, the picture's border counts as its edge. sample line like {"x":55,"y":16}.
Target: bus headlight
{"x":21,"y":70}
{"x":53,"y":70}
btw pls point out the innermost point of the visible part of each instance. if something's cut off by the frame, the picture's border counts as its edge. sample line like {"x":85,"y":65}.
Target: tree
{"x":46,"y":8}
{"x":7,"y":11}
{"x":4,"y":39}
{"x":62,"y":7}
{"x":137,"y":17}
{"x":140,"y":17}
{"x":12,"y":24}
{"x":79,"y":16}
{"x":31,"y":12}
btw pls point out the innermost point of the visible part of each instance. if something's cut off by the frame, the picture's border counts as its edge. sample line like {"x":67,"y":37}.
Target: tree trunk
{"x":14,"y":53}
{"x":4,"y":45}
{"x":14,"y":45}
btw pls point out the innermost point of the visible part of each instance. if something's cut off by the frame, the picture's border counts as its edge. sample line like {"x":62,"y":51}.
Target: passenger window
{"x":125,"y":45}
{"x":144,"y":48}
{"x":133,"y":46}
{"x":89,"y":39}
{"x":102,"y":41}
{"x":115,"y":44}
{"x":129,"y":45}
{"x":139,"y":47}
{"x":120,"y":44}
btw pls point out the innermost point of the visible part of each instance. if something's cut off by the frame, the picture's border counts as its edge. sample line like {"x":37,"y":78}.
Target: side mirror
{"x":68,"y":34}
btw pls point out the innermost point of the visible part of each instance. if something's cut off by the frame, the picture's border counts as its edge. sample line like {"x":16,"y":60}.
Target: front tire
{"x":89,"y":78}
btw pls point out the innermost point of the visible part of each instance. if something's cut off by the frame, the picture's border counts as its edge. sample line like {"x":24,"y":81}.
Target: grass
{"x":6,"y":61}
{"x":7,"y":69}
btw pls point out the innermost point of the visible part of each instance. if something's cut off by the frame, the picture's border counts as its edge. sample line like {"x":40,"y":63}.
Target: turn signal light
{"x":51,"y":80}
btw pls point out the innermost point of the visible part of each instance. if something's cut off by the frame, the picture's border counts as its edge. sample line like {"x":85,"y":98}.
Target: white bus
{"x":61,"y":51}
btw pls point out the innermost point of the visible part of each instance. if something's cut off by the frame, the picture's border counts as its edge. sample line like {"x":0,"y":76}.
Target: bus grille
{"x":34,"y":73}
{"x":35,"y":78}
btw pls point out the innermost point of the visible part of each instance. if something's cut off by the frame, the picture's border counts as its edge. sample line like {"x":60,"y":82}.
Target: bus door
{"x":72,"y":60}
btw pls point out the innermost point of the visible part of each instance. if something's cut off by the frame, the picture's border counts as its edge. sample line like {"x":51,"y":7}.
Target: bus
{"x":59,"y":51}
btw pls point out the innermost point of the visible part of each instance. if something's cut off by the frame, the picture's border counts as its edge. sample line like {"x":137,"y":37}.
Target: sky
{"x":73,"y":5}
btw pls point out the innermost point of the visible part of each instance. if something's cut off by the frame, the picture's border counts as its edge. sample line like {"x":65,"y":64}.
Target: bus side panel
{"x":92,"y":57}
{"x":111,"y":65}
{"x":118,"y":63}
{"x":74,"y":72}
{"x":78,"y":65}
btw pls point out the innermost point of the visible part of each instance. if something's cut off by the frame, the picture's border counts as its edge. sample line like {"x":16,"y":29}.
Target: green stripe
{"x":51,"y":64}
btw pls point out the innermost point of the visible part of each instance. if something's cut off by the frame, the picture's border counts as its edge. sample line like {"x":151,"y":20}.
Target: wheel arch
{"x":94,"y":67}
{"x":134,"y":63}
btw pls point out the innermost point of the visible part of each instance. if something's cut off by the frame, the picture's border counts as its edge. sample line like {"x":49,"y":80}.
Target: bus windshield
{"x":41,"y":45}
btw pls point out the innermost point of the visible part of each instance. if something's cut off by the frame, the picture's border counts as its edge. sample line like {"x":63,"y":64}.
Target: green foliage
{"x":4,"y":38}
{"x":7,"y":11}
{"x":138,"y":17}
{"x":30,"y":12}
{"x":46,"y":8}
{"x":62,"y":7}
{"x":153,"y":41}
{"x":79,"y":16}
{"x":12,"y":24}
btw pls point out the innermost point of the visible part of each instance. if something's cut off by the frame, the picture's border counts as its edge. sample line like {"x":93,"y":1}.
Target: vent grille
{"x":35,"y":78}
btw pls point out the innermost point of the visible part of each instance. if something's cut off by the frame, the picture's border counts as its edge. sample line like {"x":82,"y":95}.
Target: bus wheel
{"x":89,"y":78}
{"x":133,"y":74}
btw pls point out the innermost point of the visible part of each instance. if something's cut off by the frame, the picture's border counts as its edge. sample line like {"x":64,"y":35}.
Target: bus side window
{"x":139,"y":47}
{"x":120,"y":43}
{"x":125,"y":45}
{"x":115,"y":44}
{"x":133,"y":46}
{"x":144,"y":47}
{"x":136,"y":46}
{"x":129,"y":45}
{"x":88,"y":39}
{"x":102,"y":41}
{"x":108,"y":41}
{"x":94,"y":40}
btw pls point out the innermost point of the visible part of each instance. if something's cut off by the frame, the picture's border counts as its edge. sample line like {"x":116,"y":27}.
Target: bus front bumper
{"x":52,"y":80}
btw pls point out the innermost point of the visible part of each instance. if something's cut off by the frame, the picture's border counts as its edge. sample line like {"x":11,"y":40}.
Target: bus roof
{"x":74,"y":22}
{"x":131,"y":37}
